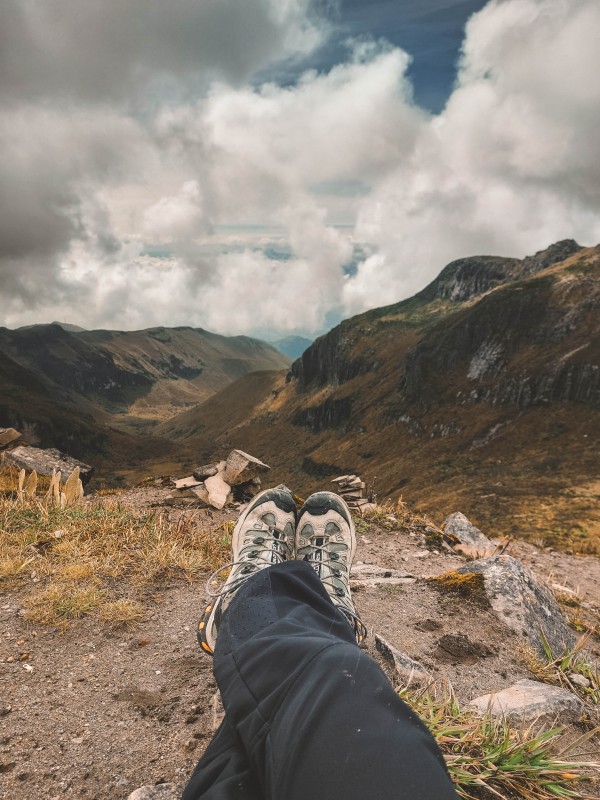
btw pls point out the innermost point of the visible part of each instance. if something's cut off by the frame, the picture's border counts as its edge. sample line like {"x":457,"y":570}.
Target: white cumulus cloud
{"x":146,"y":180}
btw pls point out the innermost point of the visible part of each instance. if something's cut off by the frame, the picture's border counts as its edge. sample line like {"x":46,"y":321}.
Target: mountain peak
{"x":470,"y":277}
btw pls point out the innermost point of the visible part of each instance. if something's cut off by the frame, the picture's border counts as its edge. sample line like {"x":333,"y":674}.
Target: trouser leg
{"x":223,"y":772}
{"x":316,"y":716}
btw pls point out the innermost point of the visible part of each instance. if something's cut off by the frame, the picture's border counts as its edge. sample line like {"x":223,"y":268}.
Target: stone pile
{"x":237,"y":479}
{"x":352,"y":488}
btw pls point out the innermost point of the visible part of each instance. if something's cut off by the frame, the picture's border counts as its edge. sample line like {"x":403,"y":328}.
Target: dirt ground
{"x":95,"y":712}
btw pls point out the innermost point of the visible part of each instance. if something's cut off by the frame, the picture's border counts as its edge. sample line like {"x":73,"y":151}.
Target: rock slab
{"x":409,"y":670}
{"x":528,"y":700}
{"x":524,"y":605}
{"x":242,"y":467}
{"x":219,"y":491}
{"x":44,"y":462}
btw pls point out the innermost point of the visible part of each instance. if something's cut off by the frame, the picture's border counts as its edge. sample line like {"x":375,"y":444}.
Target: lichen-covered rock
{"x":45,"y":462}
{"x":524,"y":605}
{"x":527,"y":701}
{"x":464,"y":583}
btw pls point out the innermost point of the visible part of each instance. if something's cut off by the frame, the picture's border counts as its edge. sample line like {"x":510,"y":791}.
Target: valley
{"x":480,"y":393}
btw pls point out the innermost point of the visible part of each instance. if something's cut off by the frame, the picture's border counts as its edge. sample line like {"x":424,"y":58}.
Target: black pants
{"x":309,"y":716}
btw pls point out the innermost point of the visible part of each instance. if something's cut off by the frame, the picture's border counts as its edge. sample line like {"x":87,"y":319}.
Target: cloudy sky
{"x":271,"y":166}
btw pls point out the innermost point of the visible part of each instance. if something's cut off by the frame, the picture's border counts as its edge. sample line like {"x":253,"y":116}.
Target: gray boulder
{"x":524,"y":605}
{"x":472,"y":541}
{"x":527,"y":701}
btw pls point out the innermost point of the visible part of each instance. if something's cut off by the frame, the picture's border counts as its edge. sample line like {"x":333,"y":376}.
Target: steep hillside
{"x":185,"y":365}
{"x":481,"y":392}
{"x":49,"y":416}
{"x":149,"y":374}
{"x":96,"y":394}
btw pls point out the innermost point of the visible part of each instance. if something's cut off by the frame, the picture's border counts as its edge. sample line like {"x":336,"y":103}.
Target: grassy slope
{"x":529,"y":471}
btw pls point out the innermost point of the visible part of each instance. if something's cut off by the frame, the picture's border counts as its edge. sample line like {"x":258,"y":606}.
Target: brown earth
{"x":104,"y":710}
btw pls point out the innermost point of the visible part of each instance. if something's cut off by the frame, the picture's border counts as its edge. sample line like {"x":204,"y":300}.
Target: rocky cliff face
{"x":471,"y":277}
{"x":329,"y":360}
{"x":527,"y":343}
{"x":485,"y":343}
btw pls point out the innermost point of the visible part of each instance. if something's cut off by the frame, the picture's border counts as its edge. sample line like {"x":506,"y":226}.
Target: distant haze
{"x":269,"y":167}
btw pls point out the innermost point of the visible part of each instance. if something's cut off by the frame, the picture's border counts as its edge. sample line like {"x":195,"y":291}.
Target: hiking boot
{"x":263,"y":536}
{"x":326,"y":539}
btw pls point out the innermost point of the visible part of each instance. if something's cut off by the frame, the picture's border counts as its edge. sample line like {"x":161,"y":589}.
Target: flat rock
{"x":162,"y":791}
{"x":187,"y":483}
{"x":472,"y":541}
{"x":531,"y":700}
{"x":409,"y":670}
{"x":44,"y":462}
{"x":219,"y":491}
{"x":526,"y":606}
{"x":242,"y":467}
{"x":343,"y":478}
{"x":8,"y":437}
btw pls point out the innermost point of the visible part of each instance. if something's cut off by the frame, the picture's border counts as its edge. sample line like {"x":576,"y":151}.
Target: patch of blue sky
{"x":359,"y":254}
{"x":341,"y":188}
{"x":431,"y":31}
{"x":278,"y":252}
{"x":156,"y":251}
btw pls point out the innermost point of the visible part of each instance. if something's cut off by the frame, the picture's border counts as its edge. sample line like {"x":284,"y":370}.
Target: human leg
{"x":223,"y":772}
{"x":314,"y":715}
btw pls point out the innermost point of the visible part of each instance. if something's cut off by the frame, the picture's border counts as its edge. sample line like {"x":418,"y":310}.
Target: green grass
{"x":559,"y":670}
{"x":487,"y":758}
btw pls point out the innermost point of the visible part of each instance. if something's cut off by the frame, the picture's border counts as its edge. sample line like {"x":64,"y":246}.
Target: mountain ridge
{"x":482,"y":403}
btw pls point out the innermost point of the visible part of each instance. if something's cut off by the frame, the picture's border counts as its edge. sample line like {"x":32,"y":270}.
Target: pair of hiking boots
{"x":271,"y":530}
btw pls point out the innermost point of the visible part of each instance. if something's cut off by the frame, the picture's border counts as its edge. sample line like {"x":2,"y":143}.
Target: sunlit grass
{"x":97,"y":558}
{"x":488,"y":758}
{"x":561,"y":670}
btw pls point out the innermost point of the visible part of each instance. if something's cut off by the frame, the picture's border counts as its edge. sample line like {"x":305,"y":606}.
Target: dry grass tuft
{"x":97,"y":558}
{"x":487,"y":758}
{"x":398,"y":515}
{"x":564,"y":669}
